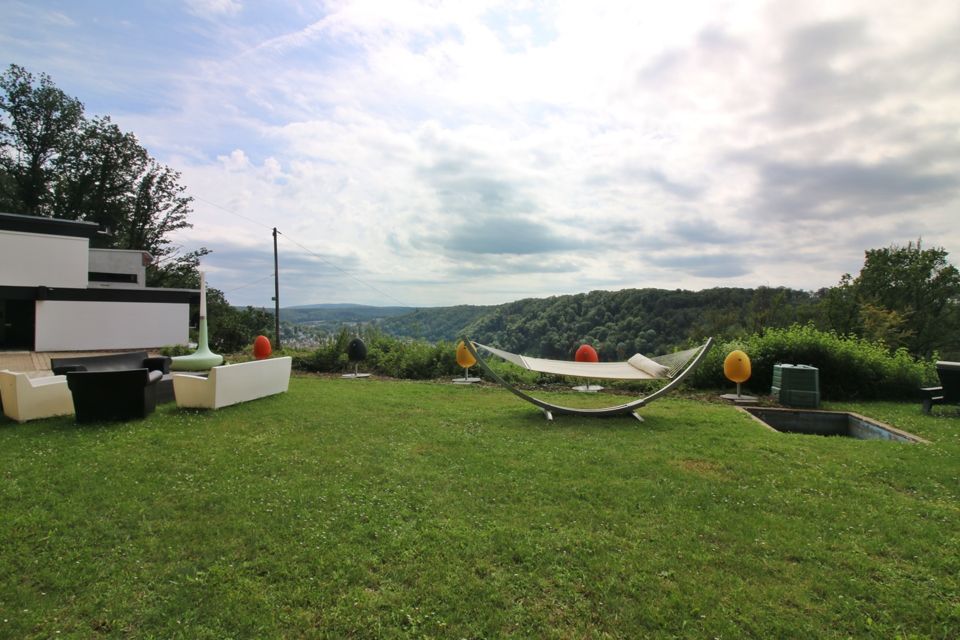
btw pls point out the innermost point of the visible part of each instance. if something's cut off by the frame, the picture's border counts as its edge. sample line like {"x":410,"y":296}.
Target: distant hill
{"x":334,"y":315}
{"x":339,"y":305}
{"x":617,"y":323}
{"x":650,"y":321}
{"x":430,"y":323}
{"x":436,"y":323}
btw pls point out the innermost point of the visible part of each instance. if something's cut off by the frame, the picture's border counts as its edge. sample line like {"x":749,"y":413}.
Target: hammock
{"x":672,"y":366}
{"x":639,"y":367}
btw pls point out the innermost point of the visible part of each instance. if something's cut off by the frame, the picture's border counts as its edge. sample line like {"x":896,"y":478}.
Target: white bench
{"x":232,"y":383}
{"x":25,"y":398}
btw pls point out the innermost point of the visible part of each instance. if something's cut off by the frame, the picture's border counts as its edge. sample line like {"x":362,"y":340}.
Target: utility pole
{"x":276,"y":291}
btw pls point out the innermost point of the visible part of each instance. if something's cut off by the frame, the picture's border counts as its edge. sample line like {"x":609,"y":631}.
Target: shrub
{"x":174,"y":350}
{"x":850,"y":368}
{"x":513,"y":374}
{"x":404,"y":358}
{"x":386,"y":355}
{"x":329,"y":357}
{"x":412,"y":359}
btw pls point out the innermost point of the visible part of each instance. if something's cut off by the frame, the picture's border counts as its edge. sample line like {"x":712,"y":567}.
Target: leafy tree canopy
{"x":37,"y":123}
{"x":56,"y":162}
{"x":904,"y":297}
{"x":910,"y":295}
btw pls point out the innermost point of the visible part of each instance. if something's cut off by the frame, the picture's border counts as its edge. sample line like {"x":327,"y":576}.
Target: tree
{"x":108,"y":178}
{"x":37,"y":122}
{"x":884,"y":326}
{"x":159,"y":208}
{"x":55,"y":162}
{"x":182,"y":273}
{"x":765,"y":308}
{"x":230,"y":329}
{"x":96,"y":174}
{"x":921,"y":287}
{"x":233,"y":329}
{"x":840,"y":308}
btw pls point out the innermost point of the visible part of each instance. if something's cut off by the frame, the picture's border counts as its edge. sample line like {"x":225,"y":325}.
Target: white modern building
{"x":58,"y":294}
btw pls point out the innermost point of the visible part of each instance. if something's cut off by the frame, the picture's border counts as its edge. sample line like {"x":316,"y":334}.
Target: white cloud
{"x":213,"y":8}
{"x":684,"y":144}
{"x":236,"y":161}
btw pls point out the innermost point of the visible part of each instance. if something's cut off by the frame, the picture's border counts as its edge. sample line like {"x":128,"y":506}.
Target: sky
{"x":434,"y":153}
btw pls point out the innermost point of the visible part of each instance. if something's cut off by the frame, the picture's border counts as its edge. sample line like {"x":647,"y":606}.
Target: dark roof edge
{"x":48,"y":226}
{"x":181,"y":296}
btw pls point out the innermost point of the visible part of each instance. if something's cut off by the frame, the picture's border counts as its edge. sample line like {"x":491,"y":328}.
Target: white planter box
{"x":233,"y":383}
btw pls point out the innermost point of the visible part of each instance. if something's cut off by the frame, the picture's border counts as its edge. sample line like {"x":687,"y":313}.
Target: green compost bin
{"x":796,"y":385}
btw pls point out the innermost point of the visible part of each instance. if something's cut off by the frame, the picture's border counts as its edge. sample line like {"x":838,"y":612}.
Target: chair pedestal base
{"x":588,"y":388}
{"x":738,"y":399}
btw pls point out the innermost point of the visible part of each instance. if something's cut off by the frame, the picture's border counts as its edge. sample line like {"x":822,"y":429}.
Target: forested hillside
{"x":904,"y":297}
{"x":617,"y":323}
{"x":651,"y":321}
{"x":331,"y":316}
{"x":438,"y":323}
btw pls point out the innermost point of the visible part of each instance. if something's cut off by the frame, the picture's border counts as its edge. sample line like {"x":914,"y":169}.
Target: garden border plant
{"x":850,"y":368}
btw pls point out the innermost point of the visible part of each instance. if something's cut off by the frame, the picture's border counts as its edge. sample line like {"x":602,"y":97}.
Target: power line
{"x":347,"y":273}
{"x":301,"y":246}
{"x":249,"y":284}
{"x":233,"y":213}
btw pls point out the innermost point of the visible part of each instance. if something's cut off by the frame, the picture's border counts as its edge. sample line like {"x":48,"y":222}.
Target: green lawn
{"x":394,"y":509}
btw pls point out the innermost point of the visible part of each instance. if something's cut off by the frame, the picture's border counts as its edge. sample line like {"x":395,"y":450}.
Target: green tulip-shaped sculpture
{"x":202,"y":359}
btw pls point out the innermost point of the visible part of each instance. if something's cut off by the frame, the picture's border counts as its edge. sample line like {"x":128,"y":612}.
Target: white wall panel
{"x":118,"y":261}
{"x":86,"y":326}
{"x":31,"y":259}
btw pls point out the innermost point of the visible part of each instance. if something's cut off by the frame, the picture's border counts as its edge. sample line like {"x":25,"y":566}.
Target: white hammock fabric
{"x":639,"y":367}
{"x":678,"y":366}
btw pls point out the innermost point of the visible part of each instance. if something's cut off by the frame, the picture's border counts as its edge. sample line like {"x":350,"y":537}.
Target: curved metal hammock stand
{"x":675,"y":367}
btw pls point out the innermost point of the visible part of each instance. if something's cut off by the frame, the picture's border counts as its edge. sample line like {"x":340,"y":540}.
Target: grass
{"x":381,"y":509}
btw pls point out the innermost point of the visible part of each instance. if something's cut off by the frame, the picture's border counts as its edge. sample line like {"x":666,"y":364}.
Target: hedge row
{"x":850,"y":368}
{"x":399,"y":358}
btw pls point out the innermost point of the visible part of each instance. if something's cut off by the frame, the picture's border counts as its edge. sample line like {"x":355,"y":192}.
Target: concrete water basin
{"x":828,"y":423}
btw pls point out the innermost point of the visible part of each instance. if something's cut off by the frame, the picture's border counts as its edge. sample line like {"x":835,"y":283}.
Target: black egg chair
{"x":356,"y":352}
